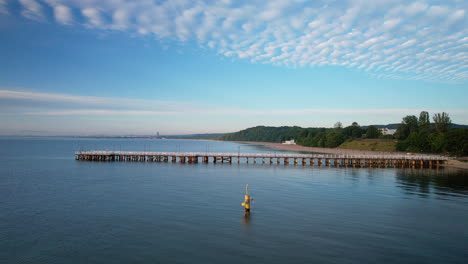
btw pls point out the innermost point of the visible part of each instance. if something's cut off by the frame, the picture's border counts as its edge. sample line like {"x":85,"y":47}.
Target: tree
{"x":352,"y":131}
{"x":356,"y":130}
{"x":373,"y":132}
{"x":442,"y":122}
{"x":457,"y":141}
{"x":412,"y":123}
{"x":334,"y":139}
{"x":423,"y":121}
{"x":407,"y":126}
{"x":357,"y":133}
{"x":412,"y":143}
{"x":338,"y":125}
{"x":438,"y":142}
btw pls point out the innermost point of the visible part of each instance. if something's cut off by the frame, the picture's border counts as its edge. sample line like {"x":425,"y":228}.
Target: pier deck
{"x":396,"y":161}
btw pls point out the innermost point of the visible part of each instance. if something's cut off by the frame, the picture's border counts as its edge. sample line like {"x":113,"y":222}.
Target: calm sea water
{"x":54,"y":209}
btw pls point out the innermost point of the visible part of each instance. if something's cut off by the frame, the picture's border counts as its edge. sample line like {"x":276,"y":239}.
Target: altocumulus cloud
{"x":389,"y":39}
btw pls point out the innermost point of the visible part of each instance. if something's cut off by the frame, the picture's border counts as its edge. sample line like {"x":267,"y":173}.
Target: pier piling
{"x":358,"y":161}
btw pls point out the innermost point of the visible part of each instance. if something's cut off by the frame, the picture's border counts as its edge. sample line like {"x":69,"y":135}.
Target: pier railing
{"x":357,"y":160}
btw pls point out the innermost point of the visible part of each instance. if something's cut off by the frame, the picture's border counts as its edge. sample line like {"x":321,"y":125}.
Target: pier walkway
{"x":387,"y":160}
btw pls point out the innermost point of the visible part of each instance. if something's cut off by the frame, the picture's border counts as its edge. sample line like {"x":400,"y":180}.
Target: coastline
{"x":453,"y":164}
{"x":315,"y":149}
{"x":450,"y":164}
{"x":456,"y":164}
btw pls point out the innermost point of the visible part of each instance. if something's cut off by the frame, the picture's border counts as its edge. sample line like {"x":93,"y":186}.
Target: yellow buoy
{"x":247,"y":200}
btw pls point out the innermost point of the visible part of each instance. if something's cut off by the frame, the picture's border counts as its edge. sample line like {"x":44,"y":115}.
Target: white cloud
{"x":63,"y":14}
{"x":408,"y":43}
{"x":108,"y":106}
{"x":457,"y":15}
{"x":23,"y":112}
{"x":3,"y":7}
{"x":438,"y":10}
{"x":416,"y":8}
{"x":32,"y":10}
{"x":92,"y":102}
{"x":399,"y":36}
{"x":93,"y":16}
{"x":391,"y":23}
{"x":120,"y":18}
{"x":270,"y":14}
{"x":25,"y":95}
{"x":94,"y":112}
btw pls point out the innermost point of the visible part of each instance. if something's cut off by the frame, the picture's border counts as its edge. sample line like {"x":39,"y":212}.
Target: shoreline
{"x":456,"y":164}
{"x":453,"y":164}
{"x":450,"y":164}
{"x":315,"y":149}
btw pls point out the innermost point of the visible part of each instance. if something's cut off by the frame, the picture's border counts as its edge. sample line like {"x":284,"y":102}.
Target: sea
{"x":55,"y":209}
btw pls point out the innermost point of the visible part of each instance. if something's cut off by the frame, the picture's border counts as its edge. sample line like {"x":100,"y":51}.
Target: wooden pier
{"x":378,"y":161}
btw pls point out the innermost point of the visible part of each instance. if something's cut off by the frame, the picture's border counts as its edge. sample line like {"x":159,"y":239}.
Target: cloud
{"x":391,"y":23}
{"x":93,"y":16}
{"x":67,"y":114}
{"x":32,"y":10}
{"x":26,"y":95}
{"x":236,"y":112}
{"x":3,"y":7}
{"x":400,"y":38}
{"x":120,"y":18}
{"x":438,"y":10}
{"x":416,"y":8}
{"x":63,"y":14}
{"x":94,"y":112}
{"x":74,"y":105}
{"x":67,"y":102}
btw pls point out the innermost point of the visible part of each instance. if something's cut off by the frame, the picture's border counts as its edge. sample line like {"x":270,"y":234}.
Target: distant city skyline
{"x":94,"y":67}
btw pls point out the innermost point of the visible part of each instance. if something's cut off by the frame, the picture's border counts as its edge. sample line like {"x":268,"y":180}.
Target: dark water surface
{"x":54,"y":209}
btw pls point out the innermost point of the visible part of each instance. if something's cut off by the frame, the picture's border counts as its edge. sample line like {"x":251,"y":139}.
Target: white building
{"x":289,"y":142}
{"x":386,"y":131}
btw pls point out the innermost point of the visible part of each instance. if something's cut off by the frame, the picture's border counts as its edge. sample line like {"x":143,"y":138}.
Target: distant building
{"x":386,"y":131}
{"x":289,"y":142}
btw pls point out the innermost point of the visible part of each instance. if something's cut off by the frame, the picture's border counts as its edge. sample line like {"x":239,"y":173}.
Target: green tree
{"x":373,"y":132}
{"x":401,"y":145}
{"x":263,"y":133}
{"x":457,"y":142}
{"x":338,"y":125}
{"x":442,"y":122}
{"x":356,"y":130}
{"x":407,"y":126}
{"x":422,"y":141}
{"x":357,"y":133}
{"x":412,"y":143}
{"x":352,"y":131}
{"x":437,"y":142}
{"x":423,"y":121}
{"x":334,"y":138}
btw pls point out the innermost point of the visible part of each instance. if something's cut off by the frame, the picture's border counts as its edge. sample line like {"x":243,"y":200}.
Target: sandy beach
{"x":456,"y":164}
{"x":450,"y":164}
{"x":317,"y":150}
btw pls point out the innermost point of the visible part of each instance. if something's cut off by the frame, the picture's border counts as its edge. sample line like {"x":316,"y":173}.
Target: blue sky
{"x":118,"y":67}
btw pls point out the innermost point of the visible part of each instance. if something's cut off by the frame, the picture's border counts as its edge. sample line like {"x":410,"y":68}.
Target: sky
{"x":117,"y":67}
